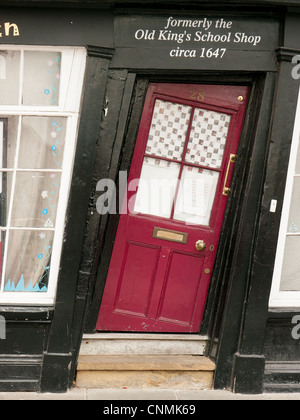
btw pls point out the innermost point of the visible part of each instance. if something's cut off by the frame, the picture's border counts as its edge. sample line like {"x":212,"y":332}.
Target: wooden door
{"x":172,"y":216}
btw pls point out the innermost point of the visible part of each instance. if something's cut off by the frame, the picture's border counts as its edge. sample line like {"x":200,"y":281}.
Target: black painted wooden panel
{"x":196,"y":41}
{"x":62,"y":27}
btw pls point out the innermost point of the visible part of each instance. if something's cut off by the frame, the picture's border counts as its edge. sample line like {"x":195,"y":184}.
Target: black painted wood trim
{"x":181,"y":3}
{"x":286,"y":54}
{"x":102,"y":228}
{"x":255,"y":317}
{"x":238,"y":276}
{"x":65,"y":327}
{"x":100,"y":52}
{"x":27,"y":313}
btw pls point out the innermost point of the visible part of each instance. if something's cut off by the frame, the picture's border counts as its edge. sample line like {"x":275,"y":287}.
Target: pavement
{"x":83,"y":394}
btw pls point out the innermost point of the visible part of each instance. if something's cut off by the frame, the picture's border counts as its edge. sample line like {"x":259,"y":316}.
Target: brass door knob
{"x":200,"y":245}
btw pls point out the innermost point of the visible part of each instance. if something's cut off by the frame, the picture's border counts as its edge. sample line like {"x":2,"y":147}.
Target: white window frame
{"x":278,"y":298}
{"x":72,"y":77}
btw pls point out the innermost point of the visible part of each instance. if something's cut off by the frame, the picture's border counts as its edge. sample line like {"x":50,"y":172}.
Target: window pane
{"x":298,"y":160}
{"x":8,"y":140}
{"x":208,"y":138}
{"x":294,"y":218}
{"x":11,"y":141}
{"x":9,"y":77}
{"x":35,"y":199}
{"x":196,"y":195}
{"x":157,"y":187}
{"x":169,"y":129}
{"x":28,"y":261}
{"x":290,"y":277}
{"x":42,"y":142}
{"x":2,"y":248}
{"x":5,"y":195}
{"x":41,"y":78}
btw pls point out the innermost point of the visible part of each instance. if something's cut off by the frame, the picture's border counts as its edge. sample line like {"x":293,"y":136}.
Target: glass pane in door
{"x":169,"y":128}
{"x":157,"y":187}
{"x":196,"y":139}
{"x":208,"y":138}
{"x":196,"y":195}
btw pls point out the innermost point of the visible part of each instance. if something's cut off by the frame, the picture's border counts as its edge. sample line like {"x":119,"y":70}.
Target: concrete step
{"x":137,"y":344}
{"x":145,"y":371}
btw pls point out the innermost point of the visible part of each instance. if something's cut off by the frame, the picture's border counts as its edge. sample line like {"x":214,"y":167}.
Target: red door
{"x":169,"y":229}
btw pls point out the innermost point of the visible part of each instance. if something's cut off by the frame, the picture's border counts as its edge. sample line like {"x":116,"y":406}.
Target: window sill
{"x":27,"y":313}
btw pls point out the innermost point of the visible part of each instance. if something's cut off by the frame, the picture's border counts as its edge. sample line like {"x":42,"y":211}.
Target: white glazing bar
{"x":68,"y":161}
{"x":21,"y":80}
{"x":4,"y":229}
{"x":56,"y":171}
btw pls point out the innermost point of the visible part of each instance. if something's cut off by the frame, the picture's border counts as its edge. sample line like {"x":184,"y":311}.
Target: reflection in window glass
{"x":35,"y":199}
{"x":41,"y":78}
{"x":290,"y":278}
{"x":290,"y":272}
{"x":5,"y":195}
{"x":42,"y":143}
{"x":9,"y":77}
{"x":294,"y":216}
{"x":10,"y":142}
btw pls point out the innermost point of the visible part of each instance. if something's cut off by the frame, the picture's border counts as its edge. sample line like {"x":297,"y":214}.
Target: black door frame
{"x":119,"y":128}
{"x":107,"y":154}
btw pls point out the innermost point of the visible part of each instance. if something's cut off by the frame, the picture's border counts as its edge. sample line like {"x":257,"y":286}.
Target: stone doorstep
{"x":170,"y":380}
{"x":148,"y":344}
{"x":145,"y":372}
{"x":141,"y":336}
{"x":145,"y":363}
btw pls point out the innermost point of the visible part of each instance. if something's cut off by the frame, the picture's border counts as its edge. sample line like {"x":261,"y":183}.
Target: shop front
{"x":146,"y":187}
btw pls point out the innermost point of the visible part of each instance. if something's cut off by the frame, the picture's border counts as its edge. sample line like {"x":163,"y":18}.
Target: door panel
{"x":178,"y":188}
{"x":180,"y":289}
{"x":132,"y":295}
